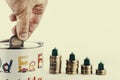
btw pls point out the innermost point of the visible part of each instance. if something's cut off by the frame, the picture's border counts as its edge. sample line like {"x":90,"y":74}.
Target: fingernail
{"x":23,"y":35}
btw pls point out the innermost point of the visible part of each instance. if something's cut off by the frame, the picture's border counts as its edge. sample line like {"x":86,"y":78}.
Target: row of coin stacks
{"x":72,"y":65}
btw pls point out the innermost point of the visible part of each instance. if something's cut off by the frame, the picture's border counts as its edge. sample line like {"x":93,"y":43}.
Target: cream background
{"x":86,"y":27}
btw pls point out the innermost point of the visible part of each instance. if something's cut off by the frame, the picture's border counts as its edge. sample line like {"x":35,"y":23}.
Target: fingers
{"x":22,"y":26}
{"x":37,"y":9}
{"x":20,"y":14}
{"x":13,"y":17}
{"x":27,"y":19}
{"x":36,"y":16}
{"x":22,"y":30}
{"x":14,"y":30}
{"x":17,"y":6}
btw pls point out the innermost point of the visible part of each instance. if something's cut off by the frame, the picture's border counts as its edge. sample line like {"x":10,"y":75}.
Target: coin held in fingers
{"x":15,"y":42}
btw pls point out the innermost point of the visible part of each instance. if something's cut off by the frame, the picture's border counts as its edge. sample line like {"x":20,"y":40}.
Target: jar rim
{"x":27,"y":45}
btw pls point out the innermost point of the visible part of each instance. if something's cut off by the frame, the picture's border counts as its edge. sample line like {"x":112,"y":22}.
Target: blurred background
{"x":88,"y":28}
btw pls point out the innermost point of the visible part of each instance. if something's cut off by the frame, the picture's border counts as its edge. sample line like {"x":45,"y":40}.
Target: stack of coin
{"x":55,"y":62}
{"x":100,"y":70}
{"x":86,"y":68}
{"x":72,"y":65}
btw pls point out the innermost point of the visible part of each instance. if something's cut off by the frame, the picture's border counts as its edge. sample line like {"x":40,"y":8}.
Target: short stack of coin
{"x":86,"y":68}
{"x":72,"y":65}
{"x":55,"y":62}
{"x":100,"y":70}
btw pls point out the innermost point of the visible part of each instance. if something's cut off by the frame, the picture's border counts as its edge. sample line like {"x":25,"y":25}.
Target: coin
{"x":15,"y":42}
{"x":100,"y":72}
{"x":72,"y":72}
{"x":72,"y":67}
{"x":86,"y":72}
{"x":54,"y":71}
{"x":55,"y":64}
{"x":86,"y":69}
{"x":83,"y":67}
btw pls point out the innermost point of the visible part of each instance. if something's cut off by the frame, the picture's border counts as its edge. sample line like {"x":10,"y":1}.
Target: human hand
{"x":27,"y":14}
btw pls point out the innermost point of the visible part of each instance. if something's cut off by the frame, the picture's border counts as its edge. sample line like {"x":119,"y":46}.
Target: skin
{"x":27,"y":14}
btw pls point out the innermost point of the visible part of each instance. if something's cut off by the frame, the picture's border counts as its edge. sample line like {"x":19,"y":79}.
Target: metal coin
{"x":72,"y":72}
{"x":15,"y":42}
{"x":100,"y":72}
{"x":72,"y":67}
{"x":87,"y":72}
{"x":83,"y":67}
{"x":55,"y":65}
{"x":86,"y":69}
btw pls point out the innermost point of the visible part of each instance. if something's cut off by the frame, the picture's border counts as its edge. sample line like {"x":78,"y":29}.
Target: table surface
{"x":111,"y":69}
{"x":112,"y":74}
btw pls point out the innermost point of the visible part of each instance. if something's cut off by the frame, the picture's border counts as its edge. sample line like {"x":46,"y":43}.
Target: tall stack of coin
{"x":72,"y":65}
{"x":86,"y":68}
{"x":100,"y":70}
{"x":55,"y":62}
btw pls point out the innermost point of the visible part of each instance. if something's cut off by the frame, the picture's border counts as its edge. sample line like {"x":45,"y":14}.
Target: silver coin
{"x":15,"y":42}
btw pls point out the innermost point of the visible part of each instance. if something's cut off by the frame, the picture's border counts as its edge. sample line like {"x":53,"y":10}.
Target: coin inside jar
{"x":15,"y":42}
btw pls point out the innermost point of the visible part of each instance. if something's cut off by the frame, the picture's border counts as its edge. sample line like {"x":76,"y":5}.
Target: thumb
{"x":22,"y":26}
